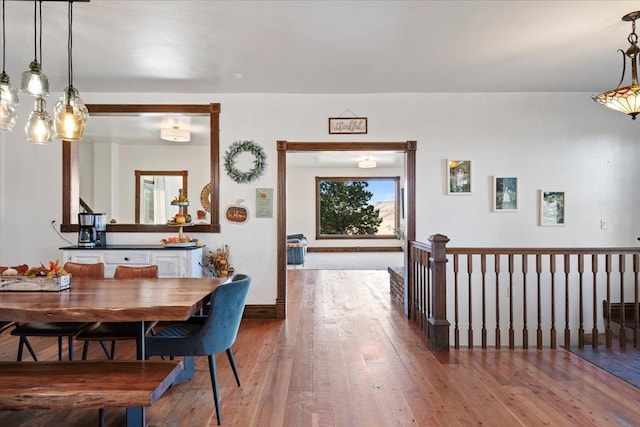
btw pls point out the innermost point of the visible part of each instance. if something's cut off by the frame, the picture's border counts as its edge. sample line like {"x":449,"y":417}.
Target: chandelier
{"x":70,"y":113}
{"x":626,"y":99}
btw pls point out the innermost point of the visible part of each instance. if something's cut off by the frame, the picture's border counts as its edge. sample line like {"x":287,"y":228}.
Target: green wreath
{"x":259,"y":163}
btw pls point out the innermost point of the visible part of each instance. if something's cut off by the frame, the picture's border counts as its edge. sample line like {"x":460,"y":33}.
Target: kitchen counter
{"x":136,"y":247}
{"x":172,"y":261}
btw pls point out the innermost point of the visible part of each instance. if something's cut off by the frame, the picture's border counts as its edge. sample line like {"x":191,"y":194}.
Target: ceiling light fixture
{"x":626,"y":99}
{"x":34,"y":82}
{"x":8,"y":93}
{"x":175,"y":134}
{"x":367,"y":163}
{"x":70,"y":112}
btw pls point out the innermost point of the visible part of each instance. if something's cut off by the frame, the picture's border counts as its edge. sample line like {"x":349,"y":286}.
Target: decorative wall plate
{"x":205,"y":197}
{"x":237,"y":214}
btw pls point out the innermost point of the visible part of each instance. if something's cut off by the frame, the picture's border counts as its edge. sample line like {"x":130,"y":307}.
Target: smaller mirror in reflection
{"x":154,"y":192}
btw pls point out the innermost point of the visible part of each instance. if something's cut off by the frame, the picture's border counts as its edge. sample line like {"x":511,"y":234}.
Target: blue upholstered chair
{"x":208,"y":335}
{"x":296,"y":249}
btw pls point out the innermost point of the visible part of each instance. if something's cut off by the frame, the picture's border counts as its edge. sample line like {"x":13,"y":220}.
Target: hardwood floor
{"x":346,"y":357}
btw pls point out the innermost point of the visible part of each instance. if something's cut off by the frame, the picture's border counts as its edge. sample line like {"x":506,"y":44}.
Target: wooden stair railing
{"x":549,"y":289}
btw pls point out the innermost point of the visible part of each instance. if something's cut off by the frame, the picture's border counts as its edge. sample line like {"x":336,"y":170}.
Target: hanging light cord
{"x":35,"y":30}
{"x":70,"y":44}
{"x":3,"y":41}
{"x":40,"y":44}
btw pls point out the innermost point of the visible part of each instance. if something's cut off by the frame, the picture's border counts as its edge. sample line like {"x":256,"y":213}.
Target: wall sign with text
{"x":264,"y":202}
{"x":347,"y":125}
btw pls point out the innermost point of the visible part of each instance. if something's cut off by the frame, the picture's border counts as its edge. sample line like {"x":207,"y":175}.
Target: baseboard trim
{"x":355,"y":249}
{"x":260,"y":311}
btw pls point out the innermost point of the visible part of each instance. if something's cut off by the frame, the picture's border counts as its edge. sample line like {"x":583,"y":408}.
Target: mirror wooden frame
{"x":138,"y":191}
{"x":70,"y":166}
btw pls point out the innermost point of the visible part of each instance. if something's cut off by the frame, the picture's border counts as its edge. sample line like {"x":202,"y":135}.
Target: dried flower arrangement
{"x":216,"y":263}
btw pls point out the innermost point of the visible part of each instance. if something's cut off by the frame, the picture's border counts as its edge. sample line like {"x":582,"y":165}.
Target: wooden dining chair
{"x":144,"y":272}
{"x":77,"y":269}
{"x":209,"y":335}
{"x":118,"y":331}
{"x":58,"y":329}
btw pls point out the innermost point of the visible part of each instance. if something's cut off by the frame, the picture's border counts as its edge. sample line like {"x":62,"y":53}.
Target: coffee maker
{"x":100,"y":223}
{"x":86,"y":230}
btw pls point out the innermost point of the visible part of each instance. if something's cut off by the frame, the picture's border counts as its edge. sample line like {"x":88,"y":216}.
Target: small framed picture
{"x":551,"y":208}
{"x":348,"y":125}
{"x":505,"y":194}
{"x":458,"y":177}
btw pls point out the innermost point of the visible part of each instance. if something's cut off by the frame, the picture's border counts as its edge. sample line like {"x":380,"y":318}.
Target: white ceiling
{"x":299,"y":46}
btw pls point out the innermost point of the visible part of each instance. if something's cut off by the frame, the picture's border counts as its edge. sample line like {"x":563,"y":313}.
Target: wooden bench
{"x":86,"y":384}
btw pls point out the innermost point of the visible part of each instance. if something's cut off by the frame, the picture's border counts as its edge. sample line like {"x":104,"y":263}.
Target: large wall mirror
{"x":99,"y":172}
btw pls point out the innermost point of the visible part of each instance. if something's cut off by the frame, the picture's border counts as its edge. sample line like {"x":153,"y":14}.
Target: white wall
{"x":549,"y":141}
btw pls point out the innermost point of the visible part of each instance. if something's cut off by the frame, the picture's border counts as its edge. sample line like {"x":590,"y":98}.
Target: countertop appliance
{"x":87,"y":234}
{"x":100,"y":223}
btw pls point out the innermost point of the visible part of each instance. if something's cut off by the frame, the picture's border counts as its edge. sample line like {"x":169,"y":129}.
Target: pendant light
{"x":8,"y":94}
{"x":39,"y":127}
{"x":34,"y":82}
{"x":70,"y":113}
{"x":626,"y":99}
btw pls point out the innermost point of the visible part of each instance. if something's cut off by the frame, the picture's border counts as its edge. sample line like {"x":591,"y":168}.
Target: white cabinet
{"x":171,"y":262}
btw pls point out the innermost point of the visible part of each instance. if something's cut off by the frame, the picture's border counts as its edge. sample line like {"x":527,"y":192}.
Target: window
{"x":357,"y":208}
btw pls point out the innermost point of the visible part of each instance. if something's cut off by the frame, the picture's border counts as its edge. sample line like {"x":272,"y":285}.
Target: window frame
{"x":390,"y":236}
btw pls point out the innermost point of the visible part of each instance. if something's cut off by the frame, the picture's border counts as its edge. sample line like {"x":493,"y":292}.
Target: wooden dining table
{"x":110,"y":300}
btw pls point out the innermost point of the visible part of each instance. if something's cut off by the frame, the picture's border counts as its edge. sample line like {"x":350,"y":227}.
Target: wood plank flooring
{"x":345,"y":356}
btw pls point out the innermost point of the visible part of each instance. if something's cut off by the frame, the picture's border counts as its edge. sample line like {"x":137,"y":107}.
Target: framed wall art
{"x":348,"y":125}
{"x":459,"y":177}
{"x":505,"y":194}
{"x":264,"y":202}
{"x":552,"y":205}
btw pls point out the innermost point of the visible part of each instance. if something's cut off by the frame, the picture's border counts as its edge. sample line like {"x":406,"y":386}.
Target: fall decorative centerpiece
{"x":41,"y":278}
{"x":216,"y":263}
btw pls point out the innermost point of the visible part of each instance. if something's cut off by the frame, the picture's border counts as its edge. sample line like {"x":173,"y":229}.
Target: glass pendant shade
{"x":8,"y":116}
{"x":34,"y":82}
{"x":70,"y":116}
{"x":8,"y":103}
{"x":624,"y":99}
{"x":39,"y":127}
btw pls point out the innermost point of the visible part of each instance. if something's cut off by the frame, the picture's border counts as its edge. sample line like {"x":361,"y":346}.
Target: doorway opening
{"x":407,"y":149}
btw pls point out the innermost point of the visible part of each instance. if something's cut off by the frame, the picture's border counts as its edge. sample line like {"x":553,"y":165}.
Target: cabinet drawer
{"x":127,"y":258}
{"x":84,"y":257}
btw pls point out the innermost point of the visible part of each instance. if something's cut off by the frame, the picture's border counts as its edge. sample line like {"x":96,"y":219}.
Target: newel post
{"x":438,"y":323}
